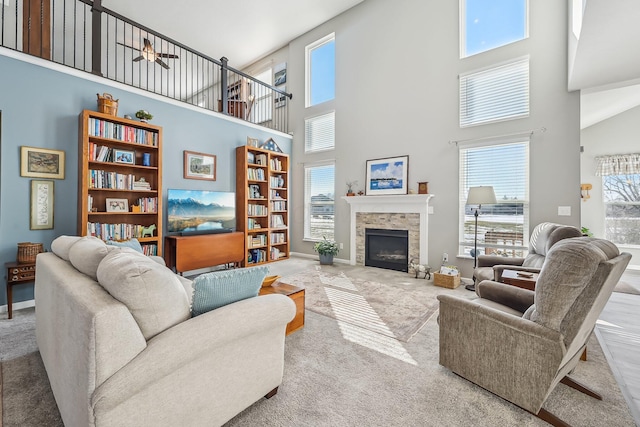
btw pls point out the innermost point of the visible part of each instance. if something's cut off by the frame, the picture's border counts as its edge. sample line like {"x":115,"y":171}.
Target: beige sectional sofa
{"x":139,"y":359}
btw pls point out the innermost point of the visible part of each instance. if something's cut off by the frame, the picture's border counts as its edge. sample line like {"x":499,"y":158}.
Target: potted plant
{"x":326,"y":249}
{"x":350,"y":185}
{"x":143,"y":115}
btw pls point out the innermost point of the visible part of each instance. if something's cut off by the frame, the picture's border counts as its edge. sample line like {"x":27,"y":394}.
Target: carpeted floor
{"x":340,"y":374}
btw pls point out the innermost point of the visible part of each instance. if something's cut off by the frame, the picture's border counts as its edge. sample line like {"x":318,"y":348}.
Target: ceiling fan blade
{"x":167,"y":55}
{"x":139,"y":58}
{"x":159,"y":61}
{"x":147,"y":45}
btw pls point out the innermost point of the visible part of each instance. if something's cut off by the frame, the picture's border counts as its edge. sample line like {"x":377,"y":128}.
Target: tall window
{"x":488,"y":24}
{"x":503,"y":227}
{"x":319,"y":192}
{"x":321,"y":71}
{"x":498,"y":93}
{"x":320,"y":133}
{"x":621,"y":194}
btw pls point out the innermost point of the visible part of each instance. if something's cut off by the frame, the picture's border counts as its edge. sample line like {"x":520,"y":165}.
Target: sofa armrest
{"x":515,"y":358}
{"x":236,"y":336}
{"x":491,"y":260}
{"x":517,"y":298}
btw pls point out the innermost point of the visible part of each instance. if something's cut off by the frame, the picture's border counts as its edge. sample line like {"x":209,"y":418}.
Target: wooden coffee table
{"x":296,"y":293}
{"x":511,"y":277}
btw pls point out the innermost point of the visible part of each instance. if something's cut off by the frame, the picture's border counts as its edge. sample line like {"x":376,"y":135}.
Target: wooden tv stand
{"x":185,"y":253}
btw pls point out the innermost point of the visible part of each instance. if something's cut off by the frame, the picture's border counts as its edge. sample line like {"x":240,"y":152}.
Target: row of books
{"x":255,"y":174}
{"x":149,"y":250}
{"x":100,"y":153}
{"x":277,"y":221}
{"x":109,"y":179}
{"x":120,"y":132}
{"x":276,"y":254}
{"x":276,"y":181}
{"x":256,"y":240}
{"x":114,"y":231}
{"x":256,"y":255}
{"x":279,"y":206}
{"x":256,"y":210}
{"x":276,"y":164}
{"x":253,"y":224}
{"x":277,"y":238}
{"x":148,"y":204}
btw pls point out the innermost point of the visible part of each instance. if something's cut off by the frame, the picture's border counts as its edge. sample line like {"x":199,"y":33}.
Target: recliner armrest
{"x":498,"y":270}
{"x":491,"y":260}
{"x":516,"y":298}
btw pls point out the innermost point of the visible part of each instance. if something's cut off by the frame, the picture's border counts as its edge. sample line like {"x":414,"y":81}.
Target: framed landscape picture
{"x":387,"y":176}
{"x":41,"y":163}
{"x":199,"y":166}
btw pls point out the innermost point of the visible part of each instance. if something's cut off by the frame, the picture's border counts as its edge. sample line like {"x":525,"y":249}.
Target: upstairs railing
{"x":84,"y":35}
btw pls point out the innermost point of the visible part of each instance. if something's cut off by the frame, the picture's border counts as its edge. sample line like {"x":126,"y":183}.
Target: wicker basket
{"x":446,"y":280}
{"x":107,"y":105}
{"x":28,"y":251}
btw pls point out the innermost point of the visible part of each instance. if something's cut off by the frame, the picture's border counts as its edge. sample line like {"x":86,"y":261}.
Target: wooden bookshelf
{"x":114,"y":156}
{"x":262,"y":204}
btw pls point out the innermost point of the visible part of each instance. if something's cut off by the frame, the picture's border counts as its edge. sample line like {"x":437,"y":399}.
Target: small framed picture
{"x":252,"y":142}
{"x":117,"y":205}
{"x":124,"y":156}
{"x":387,"y":176}
{"x":41,"y":163}
{"x":41,"y":205}
{"x":199,"y":166}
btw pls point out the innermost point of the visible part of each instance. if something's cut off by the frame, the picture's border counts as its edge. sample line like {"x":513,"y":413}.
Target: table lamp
{"x":482,"y":195}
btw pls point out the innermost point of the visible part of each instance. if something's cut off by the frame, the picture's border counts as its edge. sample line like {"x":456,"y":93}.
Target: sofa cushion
{"x":86,"y":254}
{"x":152,"y":293}
{"x":133,"y":244}
{"x":62,"y":244}
{"x":219,"y":288}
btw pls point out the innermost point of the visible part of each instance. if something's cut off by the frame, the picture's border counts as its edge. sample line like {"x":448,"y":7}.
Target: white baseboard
{"x":18,"y":305}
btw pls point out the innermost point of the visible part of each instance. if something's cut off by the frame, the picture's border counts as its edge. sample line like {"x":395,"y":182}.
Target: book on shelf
{"x":255,"y":174}
{"x":277,"y":221}
{"x":251,"y":158}
{"x":142,"y":184}
{"x":276,"y":164}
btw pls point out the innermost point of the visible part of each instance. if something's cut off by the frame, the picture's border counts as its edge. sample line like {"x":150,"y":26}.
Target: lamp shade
{"x":483,"y":195}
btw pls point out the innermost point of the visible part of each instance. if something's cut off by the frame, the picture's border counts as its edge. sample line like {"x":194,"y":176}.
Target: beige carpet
{"x":390,"y":303}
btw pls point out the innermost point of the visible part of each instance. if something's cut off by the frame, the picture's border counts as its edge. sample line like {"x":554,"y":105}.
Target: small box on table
{"x":446,"y":280}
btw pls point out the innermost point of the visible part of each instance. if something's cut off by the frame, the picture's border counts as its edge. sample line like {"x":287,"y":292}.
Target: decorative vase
{"x":326,"y":259}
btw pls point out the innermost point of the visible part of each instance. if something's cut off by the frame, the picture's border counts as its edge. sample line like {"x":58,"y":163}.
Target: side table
{"x":296,"y":293}
{"x":18,"y":273}
{"x":512,"y":278}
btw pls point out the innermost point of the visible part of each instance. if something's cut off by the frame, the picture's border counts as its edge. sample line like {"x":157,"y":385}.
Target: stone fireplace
{"x":398,"y":212}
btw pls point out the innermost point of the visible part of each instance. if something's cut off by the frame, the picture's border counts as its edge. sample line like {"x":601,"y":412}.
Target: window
{"x":499,"y":93}
{"x":263,"y":98}
{"x":320,"y":71}
{"x":621,"y":194}
{"x":486,"y":25}
{"x":319,"y":191}
{"x":320,"y":133}
{"x":503,"y":227}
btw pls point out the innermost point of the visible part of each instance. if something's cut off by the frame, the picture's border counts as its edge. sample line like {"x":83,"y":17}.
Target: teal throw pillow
{"x":133,"y":244}
{"x":219,"y":288}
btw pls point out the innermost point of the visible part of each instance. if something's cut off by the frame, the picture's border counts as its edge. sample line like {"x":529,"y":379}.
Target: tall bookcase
{"x":120,"y":180}
{"x":262,"y":204}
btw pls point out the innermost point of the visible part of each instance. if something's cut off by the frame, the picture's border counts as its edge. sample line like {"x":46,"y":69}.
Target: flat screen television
{"x":201,"y":211}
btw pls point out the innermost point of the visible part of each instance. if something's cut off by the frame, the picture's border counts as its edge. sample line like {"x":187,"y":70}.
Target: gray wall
{"x":397,"y":67}
{"x":616,"y":135}
{"x":40,"y":108}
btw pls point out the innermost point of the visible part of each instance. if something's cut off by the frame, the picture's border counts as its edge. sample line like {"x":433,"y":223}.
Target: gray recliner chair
{"x":543,"y":237}
{"x":520,"y":344}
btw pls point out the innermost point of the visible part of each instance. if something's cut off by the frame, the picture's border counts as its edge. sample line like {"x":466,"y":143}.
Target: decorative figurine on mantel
{"x":350,"y":185}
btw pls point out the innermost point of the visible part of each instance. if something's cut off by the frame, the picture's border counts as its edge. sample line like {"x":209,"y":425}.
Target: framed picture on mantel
{"x":387,"y":176}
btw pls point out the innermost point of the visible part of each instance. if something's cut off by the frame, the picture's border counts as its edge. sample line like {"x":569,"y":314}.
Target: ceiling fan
{"x":151,"y":55}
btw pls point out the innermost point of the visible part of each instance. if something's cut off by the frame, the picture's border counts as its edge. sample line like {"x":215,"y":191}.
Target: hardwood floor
{"x":618,"y":331}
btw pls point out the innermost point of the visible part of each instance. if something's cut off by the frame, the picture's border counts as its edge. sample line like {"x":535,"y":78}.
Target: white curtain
{"x":618,"y":164}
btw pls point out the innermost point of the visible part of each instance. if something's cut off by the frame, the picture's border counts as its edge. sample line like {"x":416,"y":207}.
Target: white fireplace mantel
{"x":409,"y":203}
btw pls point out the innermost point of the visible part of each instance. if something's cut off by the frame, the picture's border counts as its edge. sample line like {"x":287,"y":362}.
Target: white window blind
{"x":319,"y":192}
{"x":503,"y":227}
{"x":499,"y":93}
{"x":320,"y":132}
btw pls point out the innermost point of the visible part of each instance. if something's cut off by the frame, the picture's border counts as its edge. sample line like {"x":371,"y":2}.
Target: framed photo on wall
{"x":41,"y":163}
{"x":387,"y":176}
{"x":199,"y":166}
{"x":41,"y":205}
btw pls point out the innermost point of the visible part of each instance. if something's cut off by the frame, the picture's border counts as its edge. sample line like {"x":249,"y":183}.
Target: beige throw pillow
{"x":86,"y":254}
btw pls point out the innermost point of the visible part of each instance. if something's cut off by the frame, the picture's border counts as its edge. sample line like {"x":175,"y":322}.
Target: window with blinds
{"x":319,"y":192}
{"x":499,"y":93}
{"x":320,"y":133}
{"x":503,"y":227}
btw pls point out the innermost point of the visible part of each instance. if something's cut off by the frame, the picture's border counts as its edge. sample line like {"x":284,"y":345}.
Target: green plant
{"x":586,"y":231}
{"x":326,"y":247}
{"x":143,"y":115}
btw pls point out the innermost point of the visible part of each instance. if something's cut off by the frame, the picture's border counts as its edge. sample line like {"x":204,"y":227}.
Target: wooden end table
{"x":296,"y":293}
{"x":17,"y":273}
{"x":511,"y":277}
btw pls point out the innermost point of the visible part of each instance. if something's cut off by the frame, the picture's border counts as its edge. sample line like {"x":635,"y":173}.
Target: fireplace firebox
{"x":386,"y":249}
